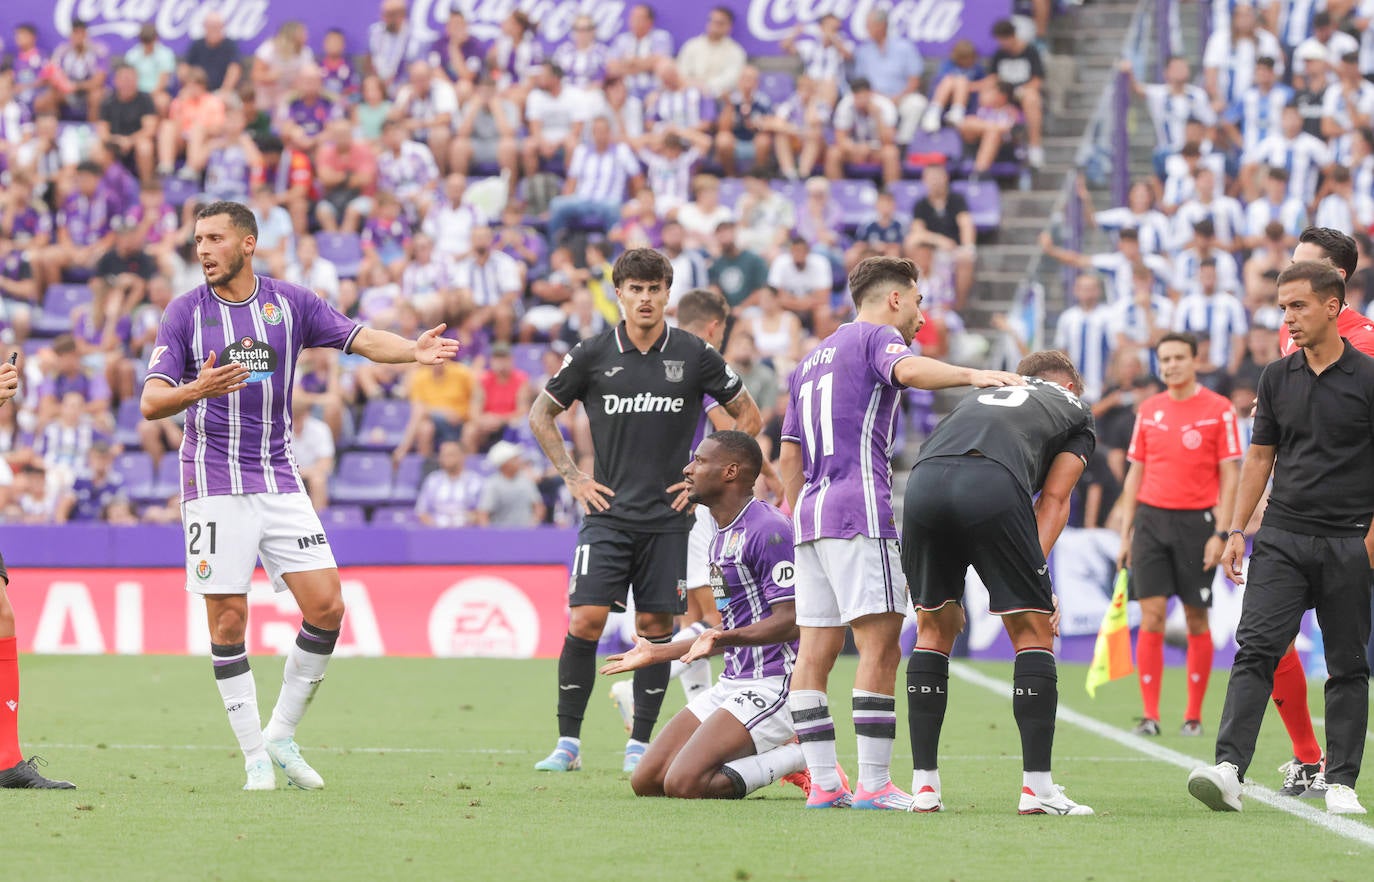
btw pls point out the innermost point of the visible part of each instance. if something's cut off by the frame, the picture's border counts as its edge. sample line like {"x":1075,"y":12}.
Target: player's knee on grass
{"x":647,"y":779}
{"x":682,"y":782}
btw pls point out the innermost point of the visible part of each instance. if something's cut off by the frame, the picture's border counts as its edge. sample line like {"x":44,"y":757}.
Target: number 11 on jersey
{"x":824,"y":388}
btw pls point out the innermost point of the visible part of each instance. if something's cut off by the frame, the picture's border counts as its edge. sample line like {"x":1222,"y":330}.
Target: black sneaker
{"x":24,"y":776}
{"x":1300,"y":778}
{"x":1191,"y":728}
{"x":1147,"y":726}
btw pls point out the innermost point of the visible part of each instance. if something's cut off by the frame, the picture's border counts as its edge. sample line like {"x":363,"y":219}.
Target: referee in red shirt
{"x":1184,"y":455}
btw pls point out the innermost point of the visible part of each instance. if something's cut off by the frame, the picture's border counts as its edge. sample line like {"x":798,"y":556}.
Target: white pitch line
{"x":1321,"y":721}
{"x":45,"y":745}
{"x":1341,"y":826}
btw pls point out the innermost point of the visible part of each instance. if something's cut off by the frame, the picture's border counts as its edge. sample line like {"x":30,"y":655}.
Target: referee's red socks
{"x":1149,"y":660}
{"x":1290,"y":697}
{"x":10,"y":754}
{"x":1199,"y":670}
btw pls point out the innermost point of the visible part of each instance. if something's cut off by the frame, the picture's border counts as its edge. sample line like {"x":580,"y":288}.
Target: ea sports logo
{"x":1192,"y":439}
{"x":485,"y":616}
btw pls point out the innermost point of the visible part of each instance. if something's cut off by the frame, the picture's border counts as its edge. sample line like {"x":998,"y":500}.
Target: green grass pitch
{"x":429,"y":775}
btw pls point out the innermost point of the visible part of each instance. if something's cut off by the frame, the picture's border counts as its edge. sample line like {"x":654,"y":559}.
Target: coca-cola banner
{"x":933,"y":25}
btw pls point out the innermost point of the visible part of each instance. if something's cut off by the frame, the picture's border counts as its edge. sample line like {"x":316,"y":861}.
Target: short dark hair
{"x":741,"y":448}
{"x":725,"y":11}
{"x":1338,"y":247}
{"x":1265,"y":61}
{"x":700,"y":305}
{"x":1326,"y":282}
{"x":872,"y":272}
{"x":1278,"y":173}
{"x":644,"y":264}
{"x":240,"y":215}
{"x":1004,"y":28}
{"x":1049,"y":363}
{"x":860,"y":84}
{"x":1188,"y":340}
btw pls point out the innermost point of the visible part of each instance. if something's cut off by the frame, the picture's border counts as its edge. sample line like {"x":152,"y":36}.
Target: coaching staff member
{"x":641,"y":383}
{"x":1185,"y":461}
{"x":1315,"y":415}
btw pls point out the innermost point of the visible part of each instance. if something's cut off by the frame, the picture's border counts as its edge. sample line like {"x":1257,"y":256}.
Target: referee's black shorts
{"x":609,"y":560}
{"x":964,"y":511}
{"x":1166,"y":554}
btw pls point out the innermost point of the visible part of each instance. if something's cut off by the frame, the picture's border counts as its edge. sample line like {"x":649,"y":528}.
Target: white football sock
{"x":240,"y":694}
{"x":816,"y":732}
{"x":1040,"y":783}
{"x":875,"y":721}
{"x":925,"y":778}
{"x":763,"y":769}
{"x":304,"y":671}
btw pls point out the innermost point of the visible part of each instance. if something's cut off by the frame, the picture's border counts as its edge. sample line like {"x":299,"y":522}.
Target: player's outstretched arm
{"x":919,"y":372}
{"x":780,"y":626}
{"x":790,"y":471}
{"x":161,"y":399}
{"x":388,"y":348}
{"x":1254,"y":477}
{"x":644,"y":654}
{"x":588,"y":493}
{"x":1052,"y":507}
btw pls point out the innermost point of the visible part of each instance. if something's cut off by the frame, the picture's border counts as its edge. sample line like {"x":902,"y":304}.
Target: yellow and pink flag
{"x":1112,"y":654}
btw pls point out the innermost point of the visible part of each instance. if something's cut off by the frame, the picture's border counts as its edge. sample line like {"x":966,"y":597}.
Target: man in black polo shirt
{"x":942,"y":218}
{"x":1315,"y":415}
{"x":128,"y":120}
{"x":215,"y":54}
{"x":641,"y":383}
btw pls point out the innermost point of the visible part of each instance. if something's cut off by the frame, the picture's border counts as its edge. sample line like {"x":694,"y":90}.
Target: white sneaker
{"x":1341,"y":800}
{"x":926,"y":800}
{"x":261,"y":776}
{"x":1217,"y":787}
{"x":1057,"y":804}
{"x":623,"y":697}
{"x":1035,"y":156}
{"x":287,"y":754}
{"x":954,"y":115}
{"x":930,"y":120}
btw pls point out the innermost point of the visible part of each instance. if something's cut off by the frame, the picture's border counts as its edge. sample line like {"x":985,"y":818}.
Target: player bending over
{"x":737,"y":737}
{"x":969,"y":503}
{"x":226,"y":352}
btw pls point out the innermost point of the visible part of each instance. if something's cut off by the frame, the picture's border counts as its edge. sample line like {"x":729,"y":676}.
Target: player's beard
{"x":228,"y":274}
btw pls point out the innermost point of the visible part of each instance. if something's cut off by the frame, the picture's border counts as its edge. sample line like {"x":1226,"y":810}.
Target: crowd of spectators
{"x":1269,"y":135}
{"x":488,"y":185}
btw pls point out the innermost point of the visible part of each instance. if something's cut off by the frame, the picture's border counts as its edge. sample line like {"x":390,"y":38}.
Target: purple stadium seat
{"x":343,"y":516}
{"x":731,"y":189}
{"x":794,"y":190}
{"x":406,"y":485}
{"x":126,"y":424}
{"x":344,"y":250}
{"x":136,"y":468}
{"x":777,"y":85}
{"x":856,"y":200}
{"x":866,"y":171}
{"x":984,"y":202}
{"x":167,"y":479}
{"x":906,"y":194}
{"x":395,"y":516}
{"x":529,"y":357}
{"x":945,"y":142}
{"x":383,"y":424}
{"x":56,"y":316}
{"x":363,"y":478}
{"x":178,"y":191}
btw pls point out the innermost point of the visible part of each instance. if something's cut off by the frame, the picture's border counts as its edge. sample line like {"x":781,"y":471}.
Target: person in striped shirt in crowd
{"x":1299,"y":153}
{"x":825,"y":53}
{"x":1119,"y":266}
{"x":636,"y":51}
{"x":669,"y":163}
{"x":1208,"y":203}
{"x":225,"y":353}
{"x":1084,"y":332}
{"x":487,"y":285}
{"x":449,"y":494}
{"x":1216,"y":317}
{"x":84,"y":64}
{"x":865,"y":125}
{"x":1188,"y":263}
{"x":1171,"y":104}
{"x":1255,"y":115}
{"x":598,"y":177}
{"x":1277,"y":204}
{"x":391,"y":43}
{"x":677,"y":107}
{"x":406,"y":169}
{"x":582,"y":59}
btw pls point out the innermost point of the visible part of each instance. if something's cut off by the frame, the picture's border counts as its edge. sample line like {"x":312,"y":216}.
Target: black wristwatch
{"x":1223,"y":535}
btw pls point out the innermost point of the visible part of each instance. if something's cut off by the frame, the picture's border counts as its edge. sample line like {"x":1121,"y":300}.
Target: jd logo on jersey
{"x":258,"y":357}
{"x":271,"y":313}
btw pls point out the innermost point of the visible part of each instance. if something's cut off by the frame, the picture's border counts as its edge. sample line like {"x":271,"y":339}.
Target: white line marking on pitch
{"x":1334,"y":823}
{"x":1321,"y":721}
{"x":230,"y":747}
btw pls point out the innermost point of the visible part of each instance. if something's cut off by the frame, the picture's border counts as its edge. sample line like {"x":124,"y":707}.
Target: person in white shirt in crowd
{"x":425,"y":282}
{"x":487,"y":285}
{"x":668,"y":166}
{"x":1229,"y":59}
{"x":1203,"y":248}
{"x":312,"y":445}
{"x":1275,"y":205}
{"x":1342,"y":208}
{"x":1084,"y":333}
{"x":1180,"y":171}
{"x":1302,"y":155}
{"x":1139,"y":214}
{"x":582,"y":59}
{"x":426,"y":106}
{"x":1347,"y":105}
{"x":689,"y":263}
{"x":637,"y":51}
{"x":893,"y":67}
{"x":804,"y":281}
{"x":554,"y":117}
{"x":451,"y":222}
{"x":1119,"y":266}
{"x":601,"y":174}
{"x":406,"y":169}
{"x":487,"y":131}
{"x":712,"y":61}
{"x":799,"y":129}
{"x":1255,"y":115}
{"x":1173,"y":102}
{"x":1146,"y":314}
{"x":1332,"y":40}
{"x":1216,"y":315}
{"x":1226,"y":214}
{"x":765,"y":217}
{"x":306,"y":268}
{"x":622,"y":109}
{"x":509,"y":498}
{"x":701,"y":216}
{"x":449,"y":495}
{"x":279,"y":60}
{"x":865,"y":126}
{"x":825,"y":53}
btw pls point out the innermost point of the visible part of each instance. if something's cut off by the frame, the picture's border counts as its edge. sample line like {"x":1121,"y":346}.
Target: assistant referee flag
{"x":1112,"y":655}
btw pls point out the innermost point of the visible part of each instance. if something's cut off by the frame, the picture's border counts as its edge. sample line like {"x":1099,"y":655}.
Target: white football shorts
{"x":760,"y":705}
{"x":699,"y":549}
{"x":840,"y":580}
{"x":225,"y":536}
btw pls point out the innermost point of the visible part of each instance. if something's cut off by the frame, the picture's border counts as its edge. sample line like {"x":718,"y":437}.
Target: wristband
{"x":1222,"y":535}
{"x":1240,"y":533}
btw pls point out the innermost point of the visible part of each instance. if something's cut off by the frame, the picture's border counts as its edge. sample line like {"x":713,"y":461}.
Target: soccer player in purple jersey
{"x":226,"y":353}
{"x":737,"y":737}
{"x":837,"y":441}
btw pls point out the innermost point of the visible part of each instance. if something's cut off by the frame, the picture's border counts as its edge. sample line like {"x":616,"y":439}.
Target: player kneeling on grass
{"x":736,"y":737}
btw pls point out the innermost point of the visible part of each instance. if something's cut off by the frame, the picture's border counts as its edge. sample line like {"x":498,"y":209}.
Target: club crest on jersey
{"x":672,"y":371}
{"x":203,"y":570}
{"x":733,"y":543}
{"x":271,"y":313}
{"x":258,"y":357}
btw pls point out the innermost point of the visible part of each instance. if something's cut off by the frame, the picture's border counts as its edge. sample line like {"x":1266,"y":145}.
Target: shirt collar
{"x":1346,"y":362}
{"x":622,"y":339}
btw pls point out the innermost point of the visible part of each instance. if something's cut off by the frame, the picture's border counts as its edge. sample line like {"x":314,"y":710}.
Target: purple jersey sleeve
{"x":791,"y":424}
{"x":168,"y":361}
{"x":885,"y":347}
{"x":321,"y":325}
{"x":772,"y":561}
